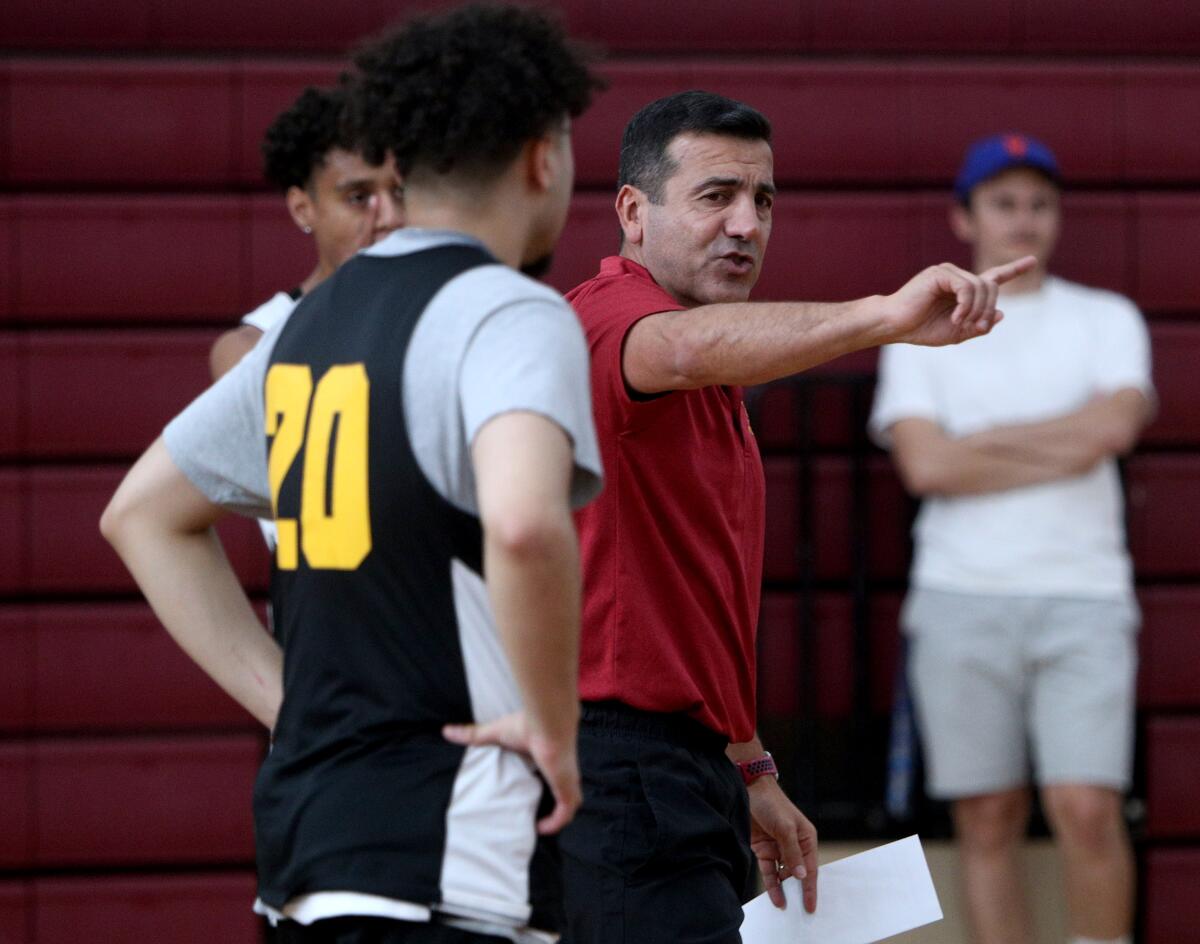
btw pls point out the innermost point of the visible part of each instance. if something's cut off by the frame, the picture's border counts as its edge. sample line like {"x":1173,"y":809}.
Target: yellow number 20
{"x":334,"y":529}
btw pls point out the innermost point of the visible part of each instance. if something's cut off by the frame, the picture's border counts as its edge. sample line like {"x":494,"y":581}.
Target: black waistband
{"x":674,"y":727}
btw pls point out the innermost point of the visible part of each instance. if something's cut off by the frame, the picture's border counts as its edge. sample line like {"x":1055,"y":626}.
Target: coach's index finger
{"x":1010,"y":270}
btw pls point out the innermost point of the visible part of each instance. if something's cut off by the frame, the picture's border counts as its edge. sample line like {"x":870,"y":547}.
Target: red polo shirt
{"x":672,"y":550}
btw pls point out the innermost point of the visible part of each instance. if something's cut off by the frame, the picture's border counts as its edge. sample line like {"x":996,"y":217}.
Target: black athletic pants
{"x":659,"y":853}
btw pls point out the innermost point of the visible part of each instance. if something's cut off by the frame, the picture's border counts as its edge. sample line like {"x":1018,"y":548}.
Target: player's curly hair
{"x":296,"y":143}
{"x":461,"y":92}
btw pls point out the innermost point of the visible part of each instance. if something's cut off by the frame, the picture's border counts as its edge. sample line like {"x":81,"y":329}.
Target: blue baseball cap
{"x":989,"y":157}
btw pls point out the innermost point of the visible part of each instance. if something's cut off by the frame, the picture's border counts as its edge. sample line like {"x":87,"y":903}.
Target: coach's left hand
{"x":783,"y":841}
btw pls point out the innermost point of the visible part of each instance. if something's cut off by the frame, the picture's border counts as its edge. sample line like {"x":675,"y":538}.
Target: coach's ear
{"x":630,"y":206}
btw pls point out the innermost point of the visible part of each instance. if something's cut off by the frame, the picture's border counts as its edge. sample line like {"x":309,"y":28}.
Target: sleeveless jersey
{"x":360,"y":792}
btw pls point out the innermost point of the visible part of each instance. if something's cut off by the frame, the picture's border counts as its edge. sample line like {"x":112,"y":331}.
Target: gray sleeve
{"x":219,"y":442}
{"x":491,"y":342}
{"x":533,"y":357}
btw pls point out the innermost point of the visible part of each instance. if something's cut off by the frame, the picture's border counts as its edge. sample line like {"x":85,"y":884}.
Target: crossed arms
{"x":931,"y":462}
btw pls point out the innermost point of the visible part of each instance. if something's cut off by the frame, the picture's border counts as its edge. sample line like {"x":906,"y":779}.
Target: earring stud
{"x":307,"y":230}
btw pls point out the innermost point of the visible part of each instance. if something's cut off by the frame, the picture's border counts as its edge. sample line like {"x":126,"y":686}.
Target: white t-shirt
{"x":1056,"y":348}
{"x":274,"y":310}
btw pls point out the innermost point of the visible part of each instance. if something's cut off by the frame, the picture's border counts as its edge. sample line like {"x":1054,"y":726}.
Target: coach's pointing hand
{"x":945,"y":304}
{"x":554,"y":756}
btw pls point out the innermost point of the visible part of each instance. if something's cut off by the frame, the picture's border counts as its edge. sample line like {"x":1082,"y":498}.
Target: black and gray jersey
{"x":387,"y":636}
{"x":369,"y":396}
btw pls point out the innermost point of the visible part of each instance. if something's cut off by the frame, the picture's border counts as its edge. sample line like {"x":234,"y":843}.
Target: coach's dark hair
{"x":645,"y":163}
{"x":463,"y":91}
{"x":296,"y":143}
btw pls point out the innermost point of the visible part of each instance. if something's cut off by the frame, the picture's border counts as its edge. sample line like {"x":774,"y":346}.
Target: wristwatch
{"x":757,"y":767}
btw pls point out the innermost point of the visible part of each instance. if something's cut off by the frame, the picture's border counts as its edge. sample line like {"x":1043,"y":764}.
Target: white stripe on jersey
{"x":490,"y":835}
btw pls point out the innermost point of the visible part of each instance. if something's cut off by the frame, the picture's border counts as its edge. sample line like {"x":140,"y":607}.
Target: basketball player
{"x":427,"y":421}
{"x":332,"y":194}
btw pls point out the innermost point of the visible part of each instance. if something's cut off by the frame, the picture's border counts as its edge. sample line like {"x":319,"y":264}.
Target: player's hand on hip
{"x":554,"y":756}
{"x":783,"y":841}
{"x":557,"y":760}
{"x":945,"y":304}
{"x":509,"y":731}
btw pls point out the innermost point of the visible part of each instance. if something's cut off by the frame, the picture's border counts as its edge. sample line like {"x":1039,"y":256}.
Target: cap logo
{"x":1015,"y":145}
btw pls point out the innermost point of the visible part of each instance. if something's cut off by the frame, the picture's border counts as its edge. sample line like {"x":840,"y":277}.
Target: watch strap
{"x":756,"y":767}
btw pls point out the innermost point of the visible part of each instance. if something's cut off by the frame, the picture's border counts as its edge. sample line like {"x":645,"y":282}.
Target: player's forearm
{"x":188,"y":582}
{"x":750,"y":343}
{"x":161,"y":525}
{"x":534,"y":585}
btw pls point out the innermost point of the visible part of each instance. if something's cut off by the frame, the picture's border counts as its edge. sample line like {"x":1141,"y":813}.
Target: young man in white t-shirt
{"x":332,"y":193}
{"x":1021,"y":615}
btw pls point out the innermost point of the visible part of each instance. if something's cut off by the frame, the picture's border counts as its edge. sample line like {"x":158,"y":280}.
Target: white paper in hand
{"x":860,"y":899}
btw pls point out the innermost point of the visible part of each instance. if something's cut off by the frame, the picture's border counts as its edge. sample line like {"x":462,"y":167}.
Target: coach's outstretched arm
{"x":161,"y":526}
{"x":523,"y":464}
{"x":744,"y":343}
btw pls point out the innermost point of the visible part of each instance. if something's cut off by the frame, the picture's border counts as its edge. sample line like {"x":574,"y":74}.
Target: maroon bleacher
{"x":8,"y":269}
{"x":61,"y":122}
{"x":134,"y":909}
{"x":1170,"y":647}
{"x":780,"y":656}
{"x":16,"y":912}
{"x":200,"y":258}
{"x":1171,"y":879}
{"x":1012,"y":27}
{"x":134,"y":224}
{"x":200,"y":121}
{"x":16,"y":804}
{"x":64,"y":552}
{"x":123,"y":801}
{"x":1172,"y":772}
{"x":12,"y":404}
{"x":887,"y":512}
{"x":102,"y":667}
{"x":107,"y":396}
{"x":13,"y":575}
{"x":1176,"y":350}
{"x":1164,"y":224}
{"x":1162,"y":496}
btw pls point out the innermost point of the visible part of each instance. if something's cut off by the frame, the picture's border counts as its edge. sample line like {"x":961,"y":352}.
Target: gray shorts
{"x":993,"y":676}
